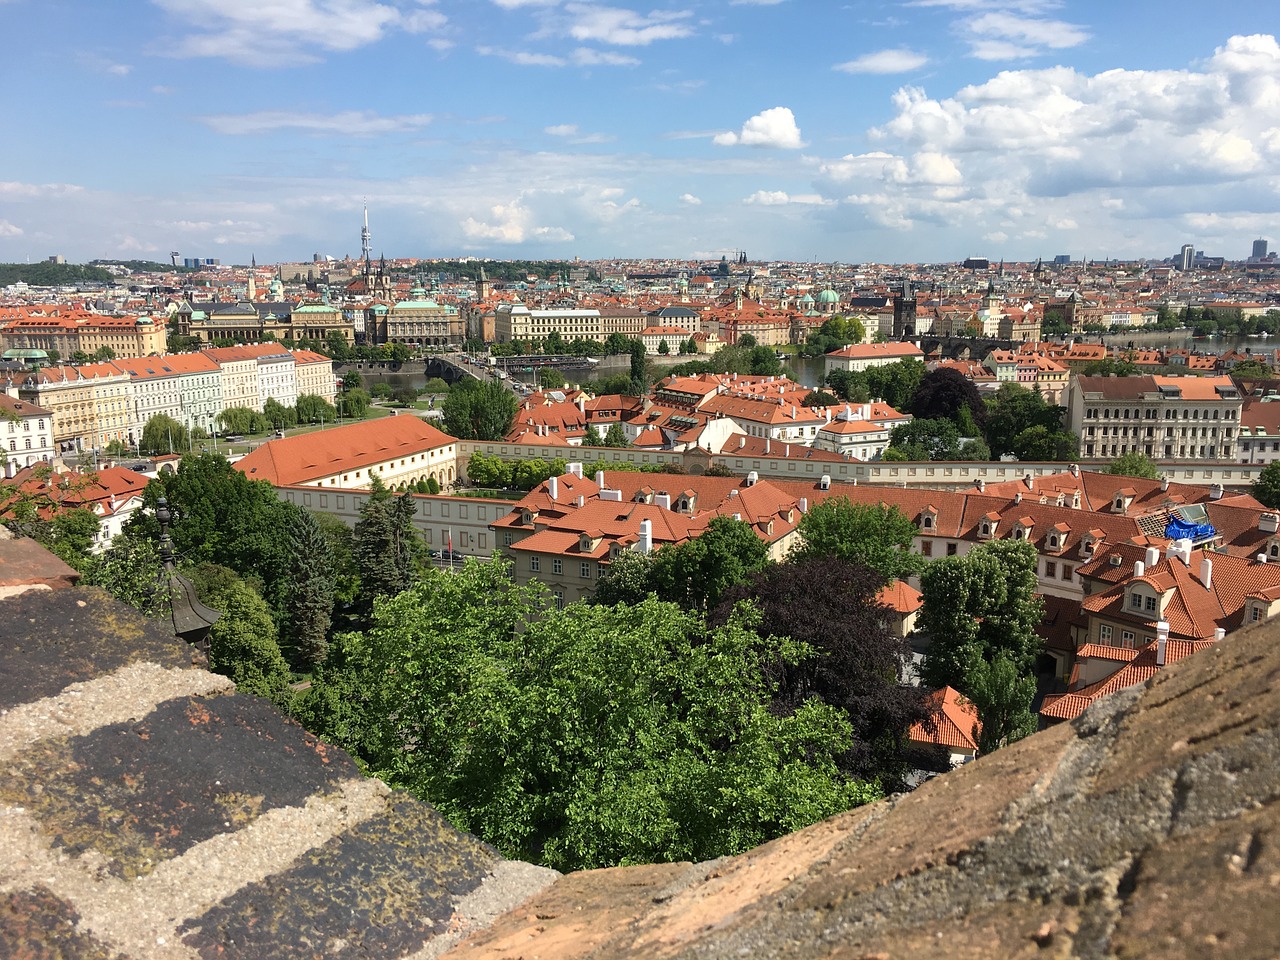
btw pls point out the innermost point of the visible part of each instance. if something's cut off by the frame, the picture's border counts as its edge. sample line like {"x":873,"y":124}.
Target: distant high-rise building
{"x":366,"y":239}
{"x":1062,"y":260}
{"x":1259,"y":250}
{"x":1186,"y":257}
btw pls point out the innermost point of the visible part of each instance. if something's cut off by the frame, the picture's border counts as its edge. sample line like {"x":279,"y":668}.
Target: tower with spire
{"x":366,"y":239}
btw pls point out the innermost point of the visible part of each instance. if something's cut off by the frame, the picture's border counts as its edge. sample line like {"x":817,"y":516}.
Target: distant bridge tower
{"x":366,"y":244}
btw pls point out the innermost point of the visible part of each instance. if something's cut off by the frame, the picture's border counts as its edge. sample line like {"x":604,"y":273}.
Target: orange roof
{"x":954,"y":720}
{"x":322,"y":453}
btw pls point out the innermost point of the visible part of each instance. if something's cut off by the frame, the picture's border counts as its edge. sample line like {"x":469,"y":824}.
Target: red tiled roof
{"x":310,"y":456}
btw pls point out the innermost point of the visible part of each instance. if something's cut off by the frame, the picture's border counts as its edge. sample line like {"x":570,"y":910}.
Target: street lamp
{"x":190,"y":619}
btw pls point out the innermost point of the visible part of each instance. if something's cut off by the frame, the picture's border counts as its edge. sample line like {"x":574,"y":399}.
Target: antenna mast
{"x":366,"y":244}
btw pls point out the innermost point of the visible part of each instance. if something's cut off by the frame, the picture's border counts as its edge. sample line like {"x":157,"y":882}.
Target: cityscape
{"x":540,"y":478}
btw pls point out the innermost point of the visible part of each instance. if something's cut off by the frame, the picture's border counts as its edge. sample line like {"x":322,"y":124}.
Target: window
{"x":506,"y":538}
{"x":1050,"y":568}
{"x":1126,"y":639}
{"x":1255,"y":614}
{"x":1151,"y":605}
{"x":1135,"y":601}
{"x":951,"y":549}
{"x":1067,"y":570}
{"x":1104,"y":633}
{"x":928,"y":522}
{"x":926,"y":548}
{"x":559,"y":598}
{"x":557,"y":565}
{"x":584,"y":570}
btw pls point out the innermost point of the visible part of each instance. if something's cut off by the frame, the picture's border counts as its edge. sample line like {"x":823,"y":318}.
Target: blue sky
{"x":886,"y":131}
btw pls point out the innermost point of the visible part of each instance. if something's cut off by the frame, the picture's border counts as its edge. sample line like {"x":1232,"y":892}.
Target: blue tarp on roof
{"x":1179,"y":529}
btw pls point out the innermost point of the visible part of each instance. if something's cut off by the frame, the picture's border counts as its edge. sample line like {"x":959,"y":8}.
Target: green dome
{"x":828,"y":296}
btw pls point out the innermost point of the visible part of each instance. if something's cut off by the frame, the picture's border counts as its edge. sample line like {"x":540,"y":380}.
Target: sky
{"x":883,"y":131}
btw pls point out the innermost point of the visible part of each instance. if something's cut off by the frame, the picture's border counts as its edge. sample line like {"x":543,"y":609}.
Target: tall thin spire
{"x":366,"y":244}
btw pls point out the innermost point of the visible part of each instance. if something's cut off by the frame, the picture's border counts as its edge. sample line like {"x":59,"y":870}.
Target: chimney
{"x":600,"y":479}
{"x":1262,"y":558}
{"x":1269,"y":522}
{"x":575,"y":469}
{"x":752,"y":477}
{"x":1164,"y":484}
{"x":737,"y":516}
{"x":1162,"y":640}
{"x":1075,"y":469}
{"x":1185,"y":546}
{"x":1153,"y":556}
{"x":582,"y":501}
{"x":804,"y":504}
{"x":646,"y":536}
{"x":1206,"y":573}
{"x":1139,"y":568}
{"x":1219,"y":633}
{"x":767,"y":444}
{"x":582,"y":405}
{"x":1215,"y":491}
{"x":1017,"y":498}
{"x":662,"y":500}
{"x":980,"y":484}
{"x":1029,"y":481}
{"x":553,"y":488}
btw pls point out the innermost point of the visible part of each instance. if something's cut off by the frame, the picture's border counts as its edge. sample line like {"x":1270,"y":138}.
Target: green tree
{"x":925,"y":440}
{"x":592,"y":438}
{"x":1002,"y":695}
{"x":243,"y":642}
{"x":399,"y":353}
{"x":629,"y":579}
{"x":487,"y":471}
{"x":1014,"y":409}
{"x":695,"y":573}
{"x":833,"y":607}
{"x":616,"y":436}
{"x":1110,"y":367}
{"x":221,"y":516}
{"x":351,"y":380}
{"x":979,"y":607}
{"x":594,"y":735}
{"x":479,"y":411}
{"x":820,"y":398}
{"x":241,"y":420}
{"x":639,"y":364}
{"x":387,"y":549}
{"x":354,"y":404}
{"x":664,"y":348}
{"x":1134,"y":464}
{"x":278,"y":415}
{"x":875,"y":536}
{"x":163,"y":434}
{"x":850,"y":385}
{"x":1266,"y":489}
{"x":129,"y":570}
{"x":312,"y":408}
{"x":895,"y":383}
{"x":549,"y":378}
{"x":307,"y":595}
{"x":764,"y":362}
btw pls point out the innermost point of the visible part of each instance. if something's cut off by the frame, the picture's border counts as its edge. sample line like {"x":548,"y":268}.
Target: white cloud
{"x":8,"y":229}
{"x":884,"y":61}
{"x":523,"y":58}
{"x":1000,"y":35}
{"x":775,"y":127}
{"x":510,"y":223}
{"x":514,"y":4}
{"x":285,"y":32}
{"x":14,"y":190}
{"x":353,"y":123}
{"x":625,"y":28}
{"x":1030,"y":152}
{"x":570,"y":132}
{"x":777,"y":198}
{"x":690,"y":200}
{"x":586,"y":57}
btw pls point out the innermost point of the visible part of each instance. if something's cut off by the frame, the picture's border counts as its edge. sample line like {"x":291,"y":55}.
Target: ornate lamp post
{"x":190,"y":618}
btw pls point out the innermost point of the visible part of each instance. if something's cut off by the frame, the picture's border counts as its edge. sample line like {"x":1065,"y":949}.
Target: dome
{"x":828,"y":296}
